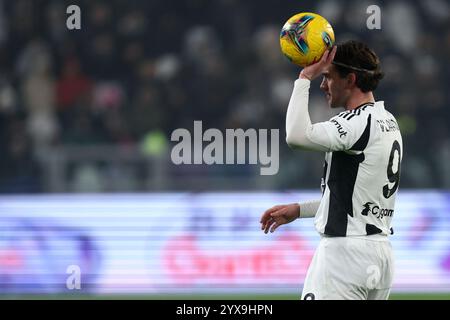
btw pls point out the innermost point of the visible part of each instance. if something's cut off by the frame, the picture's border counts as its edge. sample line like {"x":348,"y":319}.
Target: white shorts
{"x":350,"y":268}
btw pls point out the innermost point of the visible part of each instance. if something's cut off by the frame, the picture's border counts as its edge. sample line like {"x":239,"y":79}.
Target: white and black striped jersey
{"x":362,"y":166}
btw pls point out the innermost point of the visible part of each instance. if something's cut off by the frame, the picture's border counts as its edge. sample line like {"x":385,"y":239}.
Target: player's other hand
{"x":279,"y":215}
{"x":313,"y":71}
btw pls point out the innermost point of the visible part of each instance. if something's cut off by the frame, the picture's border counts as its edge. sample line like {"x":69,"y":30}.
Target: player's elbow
{"x":290,"y":142}
{"x":294,"y":142}
{"x":302,"y":142}
{"x":296,"y":136}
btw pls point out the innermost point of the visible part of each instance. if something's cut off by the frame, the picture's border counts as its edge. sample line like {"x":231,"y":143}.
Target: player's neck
{"x":359,"y":98}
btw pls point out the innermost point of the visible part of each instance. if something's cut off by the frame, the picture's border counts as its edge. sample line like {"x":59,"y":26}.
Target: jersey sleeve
{"x":339,"y":133}
{"x":342,"y":132}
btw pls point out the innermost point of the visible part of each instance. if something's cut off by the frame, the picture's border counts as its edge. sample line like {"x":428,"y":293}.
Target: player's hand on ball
{"x":279,"y":215}
{"x":314,"y":70}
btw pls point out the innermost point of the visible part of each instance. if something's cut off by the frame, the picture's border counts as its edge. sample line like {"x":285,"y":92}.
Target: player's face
{"x":335,"y":88}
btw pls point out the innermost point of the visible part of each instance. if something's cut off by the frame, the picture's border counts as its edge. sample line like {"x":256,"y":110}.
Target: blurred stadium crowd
{"x":137,"y":70}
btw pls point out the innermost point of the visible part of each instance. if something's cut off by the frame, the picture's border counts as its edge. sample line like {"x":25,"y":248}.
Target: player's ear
{"x":351,"y":79}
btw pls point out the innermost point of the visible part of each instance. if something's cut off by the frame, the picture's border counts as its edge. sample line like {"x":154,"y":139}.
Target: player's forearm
{"x":309,"y":209}
{"x":298,"y":120}
{"x":299,"y":129}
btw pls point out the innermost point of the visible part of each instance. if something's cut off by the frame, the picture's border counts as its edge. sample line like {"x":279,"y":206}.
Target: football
{"x":305,"y":37}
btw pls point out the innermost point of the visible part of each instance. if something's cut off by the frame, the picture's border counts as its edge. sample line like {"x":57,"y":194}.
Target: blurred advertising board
{"x":163,"y":243}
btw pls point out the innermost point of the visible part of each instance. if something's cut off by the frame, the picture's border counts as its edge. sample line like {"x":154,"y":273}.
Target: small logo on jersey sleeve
{"x":380,"y":213}
{"x":340,"y":129}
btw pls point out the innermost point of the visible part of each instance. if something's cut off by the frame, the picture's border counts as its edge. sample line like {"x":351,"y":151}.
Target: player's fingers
{"x":270,"y":219}
{"x":275,"y":226}
{"x":332,"y":54}
{"x":268,"y":225}
{"x":325,"y":56}
{"x":265,"y":223}
{"x":266,"y":215}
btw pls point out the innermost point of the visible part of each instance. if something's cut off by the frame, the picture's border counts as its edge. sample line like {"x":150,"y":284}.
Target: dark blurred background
{"x":92,"y":110}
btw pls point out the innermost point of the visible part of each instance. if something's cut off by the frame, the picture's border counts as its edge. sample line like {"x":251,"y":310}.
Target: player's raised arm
{"x":299,"y":129}
{"x":313,"y":71}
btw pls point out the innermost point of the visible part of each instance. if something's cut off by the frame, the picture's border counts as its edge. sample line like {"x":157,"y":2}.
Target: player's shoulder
{"x":386,"y":122}
{"x":362,"y":110}
{"x":356,"y":119}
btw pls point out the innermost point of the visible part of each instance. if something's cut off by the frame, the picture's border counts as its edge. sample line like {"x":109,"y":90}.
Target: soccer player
{"x":363,"y":152}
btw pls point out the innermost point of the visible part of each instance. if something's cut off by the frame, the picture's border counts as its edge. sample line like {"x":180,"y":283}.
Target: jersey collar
{"x":364,"y":104}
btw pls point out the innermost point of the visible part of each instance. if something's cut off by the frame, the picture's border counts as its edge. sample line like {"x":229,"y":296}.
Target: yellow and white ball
{"x":305,"y":37}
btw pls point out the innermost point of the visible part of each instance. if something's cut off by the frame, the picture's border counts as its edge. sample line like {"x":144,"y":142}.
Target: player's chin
{"x":333,"y":105}
{"x":329,"y":100}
